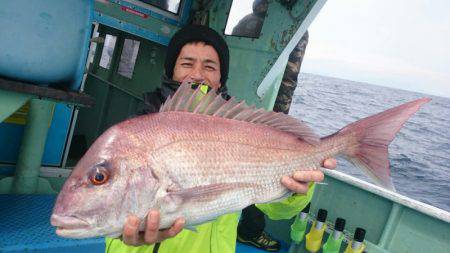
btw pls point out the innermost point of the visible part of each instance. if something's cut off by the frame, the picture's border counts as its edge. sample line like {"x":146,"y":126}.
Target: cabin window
{"x":128,"y":58}
{"x":167,"y":5}
{"x":108,"y":50}
{"x":246,"y":18}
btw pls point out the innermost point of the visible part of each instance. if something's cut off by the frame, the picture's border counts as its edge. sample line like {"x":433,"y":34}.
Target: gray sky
{"x":403,"y":43}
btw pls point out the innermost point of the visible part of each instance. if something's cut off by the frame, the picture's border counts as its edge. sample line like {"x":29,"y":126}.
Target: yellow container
{"x":314,"y":237}
{"x":349,"y":248}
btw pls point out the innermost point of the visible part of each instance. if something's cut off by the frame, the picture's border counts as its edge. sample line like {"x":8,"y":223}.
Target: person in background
{"x":199,"y":54}
{"x":251,"y":24}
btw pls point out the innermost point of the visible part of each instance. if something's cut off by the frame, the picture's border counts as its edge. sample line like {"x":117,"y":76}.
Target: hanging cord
{"x":156,"y":247}
{"x":201,"y":16}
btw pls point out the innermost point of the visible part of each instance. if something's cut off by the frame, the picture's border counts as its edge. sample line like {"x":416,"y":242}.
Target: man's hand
{"x":152,"y":234}
{"x":299,"y":182}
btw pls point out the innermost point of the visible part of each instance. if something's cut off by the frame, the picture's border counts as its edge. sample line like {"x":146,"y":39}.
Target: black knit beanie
{"x":194,"y":33}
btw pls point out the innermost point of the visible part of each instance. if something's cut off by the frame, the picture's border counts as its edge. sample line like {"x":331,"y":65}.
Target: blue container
{"x":45,"y":41}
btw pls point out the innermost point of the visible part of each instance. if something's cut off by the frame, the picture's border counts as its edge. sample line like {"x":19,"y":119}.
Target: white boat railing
{"x":393,"y":196}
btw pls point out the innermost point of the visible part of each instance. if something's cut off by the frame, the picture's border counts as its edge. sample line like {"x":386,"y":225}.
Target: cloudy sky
{"x":403,"y":43}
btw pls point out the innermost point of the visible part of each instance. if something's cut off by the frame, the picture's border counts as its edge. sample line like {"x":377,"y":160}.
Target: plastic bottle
{"x":357,"y":244}
{"x":298,"y":228}
{"x":315,"y":235}
{"x":333,"y":244}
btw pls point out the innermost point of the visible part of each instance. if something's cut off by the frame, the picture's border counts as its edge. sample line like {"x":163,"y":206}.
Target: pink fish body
{"x":202,"y":159}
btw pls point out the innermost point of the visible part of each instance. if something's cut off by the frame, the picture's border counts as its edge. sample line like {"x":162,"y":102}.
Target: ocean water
{"x":420,"y":153}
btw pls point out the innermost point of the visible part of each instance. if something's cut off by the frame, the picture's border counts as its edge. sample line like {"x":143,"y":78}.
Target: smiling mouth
{"x":68,"y":222}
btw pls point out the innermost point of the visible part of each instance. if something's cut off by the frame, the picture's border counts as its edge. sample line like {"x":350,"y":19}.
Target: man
{"x":199,"y":54}
{"x":251,"y":24}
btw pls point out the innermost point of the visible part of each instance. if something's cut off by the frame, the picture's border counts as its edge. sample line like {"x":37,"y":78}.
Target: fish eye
{"x":99,"y":176}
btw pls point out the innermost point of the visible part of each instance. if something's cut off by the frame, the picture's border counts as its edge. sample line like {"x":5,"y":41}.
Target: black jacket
{"x":153,"y":100}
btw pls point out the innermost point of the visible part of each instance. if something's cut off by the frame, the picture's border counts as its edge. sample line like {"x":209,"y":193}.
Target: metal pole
{"x":32,"y":147}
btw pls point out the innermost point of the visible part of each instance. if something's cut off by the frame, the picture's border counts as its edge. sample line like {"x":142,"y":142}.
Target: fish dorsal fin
{"x":187,"y":99}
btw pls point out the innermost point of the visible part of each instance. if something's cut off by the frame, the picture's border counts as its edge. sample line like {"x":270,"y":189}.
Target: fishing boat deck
{"x":26,"y":227}
{"x":242,"y":248}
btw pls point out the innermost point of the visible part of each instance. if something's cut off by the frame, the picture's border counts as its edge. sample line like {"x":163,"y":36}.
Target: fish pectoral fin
{"x":176,"y":197}
{"x":208,"y":191}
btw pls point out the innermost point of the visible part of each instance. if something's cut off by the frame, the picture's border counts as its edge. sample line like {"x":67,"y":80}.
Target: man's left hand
{"x":299,"y":181}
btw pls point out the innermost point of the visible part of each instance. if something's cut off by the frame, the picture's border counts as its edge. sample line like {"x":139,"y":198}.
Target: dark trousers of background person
{"x":252,"y":221}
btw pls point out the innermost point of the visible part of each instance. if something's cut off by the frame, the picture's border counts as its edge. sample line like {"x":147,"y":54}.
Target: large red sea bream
{"x":201,"y":158}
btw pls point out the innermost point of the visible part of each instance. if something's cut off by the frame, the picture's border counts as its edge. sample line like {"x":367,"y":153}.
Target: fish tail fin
{"x":368,"y":139}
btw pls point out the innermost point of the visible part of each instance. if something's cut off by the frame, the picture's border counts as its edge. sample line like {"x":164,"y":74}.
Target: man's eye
{"x":210,"y":68}
{"x":186,"y":64}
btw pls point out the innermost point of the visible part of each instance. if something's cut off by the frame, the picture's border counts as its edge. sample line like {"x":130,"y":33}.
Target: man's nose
{"x":197,"y":74}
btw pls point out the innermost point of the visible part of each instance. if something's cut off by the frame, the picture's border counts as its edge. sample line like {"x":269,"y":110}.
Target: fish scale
{"x":200,"y":166}
{"x":237,"y":164}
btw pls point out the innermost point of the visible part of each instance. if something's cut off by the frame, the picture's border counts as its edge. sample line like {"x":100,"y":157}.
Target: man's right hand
{"x":132,"y":236}
{"x":299,"y":181}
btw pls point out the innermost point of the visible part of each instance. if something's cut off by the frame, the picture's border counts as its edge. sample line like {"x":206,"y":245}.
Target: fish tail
{"x":366,"y":140}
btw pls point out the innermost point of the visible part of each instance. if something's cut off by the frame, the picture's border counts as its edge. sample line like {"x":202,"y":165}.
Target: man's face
{"x":198,"y":62}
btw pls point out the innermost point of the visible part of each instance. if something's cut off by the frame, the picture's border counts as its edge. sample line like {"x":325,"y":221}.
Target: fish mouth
{"x":68,"y":222}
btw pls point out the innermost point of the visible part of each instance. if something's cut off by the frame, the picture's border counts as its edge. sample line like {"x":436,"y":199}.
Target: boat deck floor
{"x":25,"y":221}
{"x":25,"y":227}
